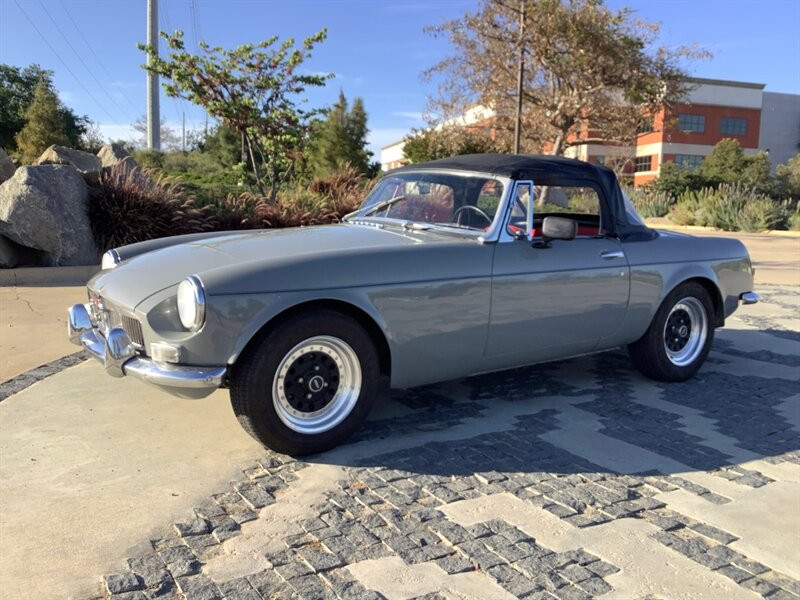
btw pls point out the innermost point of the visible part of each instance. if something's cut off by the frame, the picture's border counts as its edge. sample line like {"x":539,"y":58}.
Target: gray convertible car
{"x":450,"y":268}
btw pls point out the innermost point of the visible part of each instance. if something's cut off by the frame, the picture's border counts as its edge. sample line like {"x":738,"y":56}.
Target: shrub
{"x":730,"y":207}
{"x":132,"y":205}
{"x":650,"y":202}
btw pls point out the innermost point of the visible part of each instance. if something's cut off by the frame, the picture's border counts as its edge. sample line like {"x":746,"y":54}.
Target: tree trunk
{"x":256,"y":171}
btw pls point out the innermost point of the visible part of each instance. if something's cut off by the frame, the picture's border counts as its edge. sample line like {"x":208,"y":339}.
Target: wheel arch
{"x":713,"y":291}
{"x":364,"y":319}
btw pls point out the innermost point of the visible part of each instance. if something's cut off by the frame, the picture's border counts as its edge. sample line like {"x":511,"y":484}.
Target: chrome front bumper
{"x":119,"y":358}
{"x":748,"y":298}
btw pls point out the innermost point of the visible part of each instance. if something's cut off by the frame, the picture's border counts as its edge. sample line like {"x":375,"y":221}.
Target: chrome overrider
{"x":749,"y":298}
{"x":119,"y":356}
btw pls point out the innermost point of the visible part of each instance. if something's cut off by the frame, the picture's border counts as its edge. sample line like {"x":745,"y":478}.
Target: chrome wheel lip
{"x":343,"y":401}
{"x":698,"y":332}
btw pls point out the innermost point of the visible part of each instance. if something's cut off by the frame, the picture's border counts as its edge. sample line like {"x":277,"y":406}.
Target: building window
{"x":692,"y":123}
{"x":645,"y":126}
{"x":690,"y":161}
{"x":733,"y":126}
{"x":643,"y":163}
{"x":601,"y":160}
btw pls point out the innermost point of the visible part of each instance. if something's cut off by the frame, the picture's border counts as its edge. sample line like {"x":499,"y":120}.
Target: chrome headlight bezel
{"x":110,"y":260}
{"x":191,"y":301}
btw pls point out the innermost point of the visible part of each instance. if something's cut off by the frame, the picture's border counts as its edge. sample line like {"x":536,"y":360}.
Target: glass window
{"x":692,"y":123}
{"x":643,"y":163}
{"x":580,"y":203}
{"x":733,"y":126}
{"x":690,"y":161}
{"x":464,"y":201}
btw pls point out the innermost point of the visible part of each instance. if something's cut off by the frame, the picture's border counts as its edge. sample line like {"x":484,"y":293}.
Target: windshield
{"x":464,"y":201}
{"x":630,"y":211}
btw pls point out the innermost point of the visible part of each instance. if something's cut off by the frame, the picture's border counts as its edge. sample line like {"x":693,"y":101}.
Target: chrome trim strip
{"x":749,"y":298}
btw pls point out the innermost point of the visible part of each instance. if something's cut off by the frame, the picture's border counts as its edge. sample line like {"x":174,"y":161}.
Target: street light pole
{"x":153,"y":113}
{"x":520,"y":77}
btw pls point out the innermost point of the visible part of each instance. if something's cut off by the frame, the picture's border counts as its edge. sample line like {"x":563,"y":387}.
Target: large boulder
{"x":45,"y":208}
{"x":111,"y":154}
{"x":87,"y":164}
{"x":14,"y":255}
{"x":6,"y":166}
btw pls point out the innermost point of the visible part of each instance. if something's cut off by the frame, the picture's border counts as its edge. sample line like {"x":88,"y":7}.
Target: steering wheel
{"x":460,"y":209}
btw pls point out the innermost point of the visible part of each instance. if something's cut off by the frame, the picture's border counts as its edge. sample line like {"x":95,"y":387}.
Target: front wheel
{"x":308,"y":384}
{"x":679,"y":338}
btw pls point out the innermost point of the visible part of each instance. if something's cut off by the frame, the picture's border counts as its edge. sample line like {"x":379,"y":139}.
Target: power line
{"x":97,"y":58}
{"x":85,"y":66}
{"x":61,"y":60}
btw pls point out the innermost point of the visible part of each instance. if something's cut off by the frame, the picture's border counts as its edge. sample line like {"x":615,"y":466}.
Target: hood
{"x":221,"y":261}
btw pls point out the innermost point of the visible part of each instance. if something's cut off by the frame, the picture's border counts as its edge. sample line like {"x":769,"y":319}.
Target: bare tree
{"x":589,"y":73}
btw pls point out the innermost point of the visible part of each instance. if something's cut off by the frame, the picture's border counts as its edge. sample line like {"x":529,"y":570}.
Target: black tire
{"x":252,"y":378}
{"x":650,"y":355}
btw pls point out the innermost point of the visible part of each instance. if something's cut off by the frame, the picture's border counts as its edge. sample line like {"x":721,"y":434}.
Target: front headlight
{"x":191,"y":303}
{"x":110,"y":260}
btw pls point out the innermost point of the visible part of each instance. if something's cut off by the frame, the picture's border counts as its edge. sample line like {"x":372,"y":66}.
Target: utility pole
{"x":520,"y":76}
{"x":153,"y":113}
{"x":183,"y":132}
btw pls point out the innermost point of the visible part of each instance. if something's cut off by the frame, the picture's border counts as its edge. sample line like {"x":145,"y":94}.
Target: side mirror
{"x":557,"y":228}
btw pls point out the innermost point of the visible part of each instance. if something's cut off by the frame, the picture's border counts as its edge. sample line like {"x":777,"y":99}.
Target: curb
{"x":47,"y":276}
{"x":699,"y":228}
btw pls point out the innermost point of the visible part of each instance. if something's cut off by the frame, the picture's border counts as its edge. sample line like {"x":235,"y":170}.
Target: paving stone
{"x":594,"y":586}
{"x":735,"y":573}
{"x":198,"y":587}
{"x":122,"y":582}
{"x":238,"y":589}
{"x":576,"y":573}
{"x":454,"y":563}
{"x":193,"y":527}
{"x":602,"y":568}
{"x":320,"y":560}
{"x":255,"y":496}
{"x":759,"y":585}
{"x":754,"y":567}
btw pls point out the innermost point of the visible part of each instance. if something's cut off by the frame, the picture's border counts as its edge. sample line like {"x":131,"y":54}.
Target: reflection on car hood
{"x":217,"y":260}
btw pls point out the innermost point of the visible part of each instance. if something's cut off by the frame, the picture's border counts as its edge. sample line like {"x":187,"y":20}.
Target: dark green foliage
{"x":17,"y":87}
{"x":340,"y":139}
{"x":224,"y":144}
{"x":430,"y":144}
{"x":787,"y":179}
{"x":43,"y":126}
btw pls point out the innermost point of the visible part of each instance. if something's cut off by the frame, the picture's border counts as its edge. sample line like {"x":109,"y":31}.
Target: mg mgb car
{"x":449,"y":268}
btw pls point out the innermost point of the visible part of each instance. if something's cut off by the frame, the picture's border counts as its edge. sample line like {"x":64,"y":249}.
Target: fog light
{"x":166,"y":353}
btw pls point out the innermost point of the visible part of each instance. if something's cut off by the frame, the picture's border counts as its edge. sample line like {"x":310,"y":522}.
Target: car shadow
{"x":591,"y":414}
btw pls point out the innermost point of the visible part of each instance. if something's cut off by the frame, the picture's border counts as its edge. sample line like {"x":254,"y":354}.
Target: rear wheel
{"x":308,"y":384}
{"x":679,"y":338}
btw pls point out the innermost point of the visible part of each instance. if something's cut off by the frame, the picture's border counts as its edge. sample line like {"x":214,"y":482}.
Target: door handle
{"x":609,"y":254}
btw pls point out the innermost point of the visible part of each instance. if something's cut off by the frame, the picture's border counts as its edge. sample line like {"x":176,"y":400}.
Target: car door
{"x":560,"y":299}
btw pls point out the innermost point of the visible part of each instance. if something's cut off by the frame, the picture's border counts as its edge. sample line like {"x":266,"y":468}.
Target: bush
{"x":730,"y":207}
{"x":650,"y":202}
{"x":133,"y":205}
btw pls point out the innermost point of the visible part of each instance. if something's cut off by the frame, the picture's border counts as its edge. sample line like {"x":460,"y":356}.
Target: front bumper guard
{"x":119,"y":358}
{"x":749,"y":298}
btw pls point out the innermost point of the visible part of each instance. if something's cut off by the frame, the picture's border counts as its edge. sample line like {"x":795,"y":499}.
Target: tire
{"x":282,"y":388}
{"x":678,"y":356}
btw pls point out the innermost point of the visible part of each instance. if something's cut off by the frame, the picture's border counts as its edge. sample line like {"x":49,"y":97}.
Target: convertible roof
{"x":547,"y":170}
{"x":518,"y":166}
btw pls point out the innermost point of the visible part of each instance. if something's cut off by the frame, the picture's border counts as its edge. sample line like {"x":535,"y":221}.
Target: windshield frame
{"x":490,"y":235}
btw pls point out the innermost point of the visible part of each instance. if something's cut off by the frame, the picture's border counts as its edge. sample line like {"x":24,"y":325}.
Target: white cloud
{"x":410,"y":115}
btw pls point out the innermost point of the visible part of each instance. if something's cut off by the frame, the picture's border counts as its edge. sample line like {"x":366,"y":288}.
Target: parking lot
{"x":574,"y":479}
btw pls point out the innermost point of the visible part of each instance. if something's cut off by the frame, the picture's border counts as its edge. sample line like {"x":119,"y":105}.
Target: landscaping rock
{"x":111,"y":154}
{"x":6,"y":166}
{"x":44,"y":207}
{"x":14,"y":255}
{"x":87,"y":164}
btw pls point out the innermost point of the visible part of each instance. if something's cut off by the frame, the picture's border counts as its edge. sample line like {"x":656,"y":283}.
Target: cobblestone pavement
{"x":570,"y":480}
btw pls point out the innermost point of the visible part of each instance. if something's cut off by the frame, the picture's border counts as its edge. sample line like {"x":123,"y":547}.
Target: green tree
{"x":224,"y":145}
{"x":727,"y":163}
{"x":787,"y":178}
{"x":44,"y":125}
{"x":252,"y":89}
{"x":340,"y":139}
{"x":441,"y":142}
{"x":17,"y":87}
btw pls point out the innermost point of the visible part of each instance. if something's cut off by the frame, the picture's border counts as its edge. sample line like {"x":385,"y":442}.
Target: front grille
{"x":134,"y":330}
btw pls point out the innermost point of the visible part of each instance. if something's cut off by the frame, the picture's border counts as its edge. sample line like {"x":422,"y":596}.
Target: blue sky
{"x":376,"y":48}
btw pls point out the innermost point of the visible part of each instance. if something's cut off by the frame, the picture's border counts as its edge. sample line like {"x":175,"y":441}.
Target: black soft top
{"x":549,"y":170}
